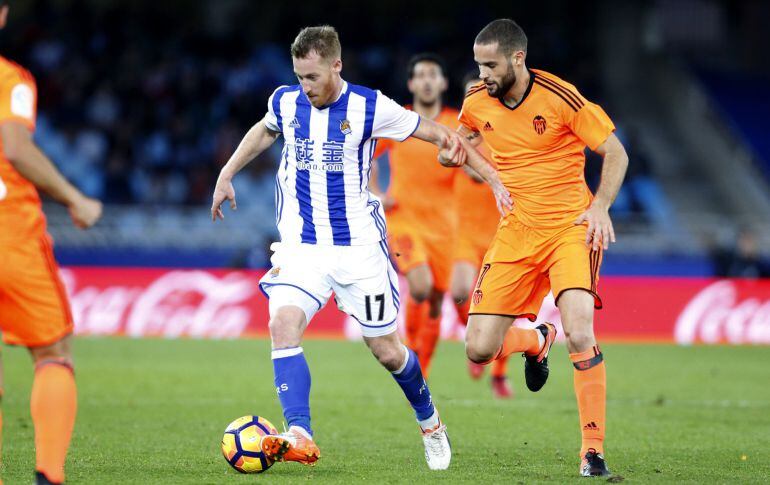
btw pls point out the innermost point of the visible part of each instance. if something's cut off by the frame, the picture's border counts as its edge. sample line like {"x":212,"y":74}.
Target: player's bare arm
{"x":257,"y":140}
{"x":600,"y":231}
{"x":34,"y":165}
{"x":451,"y":152}
{"x":482,"y":168}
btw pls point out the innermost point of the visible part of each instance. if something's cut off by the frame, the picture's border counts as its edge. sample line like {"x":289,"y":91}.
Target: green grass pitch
{"x":153,"y":411}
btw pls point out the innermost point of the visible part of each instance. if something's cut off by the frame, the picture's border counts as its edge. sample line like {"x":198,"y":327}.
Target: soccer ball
{"x":241,"y":445}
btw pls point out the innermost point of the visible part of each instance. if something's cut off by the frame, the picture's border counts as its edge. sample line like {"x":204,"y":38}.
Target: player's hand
{"x":502,"y":197}
{"x":600,"y":232}
{"x":451,"y":153}
{"x":223,"y":191}
{"x":85,"y":211}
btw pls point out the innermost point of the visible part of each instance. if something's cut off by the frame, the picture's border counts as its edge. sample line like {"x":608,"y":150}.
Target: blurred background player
{"x":34,"y":310}
{"x":537,"y":127}
{"x":477,"y":217}
{"x":420,"y":209}
{"x":333,"y":231}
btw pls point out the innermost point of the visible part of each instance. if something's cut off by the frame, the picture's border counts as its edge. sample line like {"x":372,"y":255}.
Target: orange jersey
{"x":538,"y":146}
{"x":421,"y":187}
{"x":476,"y":208}
{"x":21,"y":215}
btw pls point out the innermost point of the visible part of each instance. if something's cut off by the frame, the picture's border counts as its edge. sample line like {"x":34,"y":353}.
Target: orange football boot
{"x":293,"y":445}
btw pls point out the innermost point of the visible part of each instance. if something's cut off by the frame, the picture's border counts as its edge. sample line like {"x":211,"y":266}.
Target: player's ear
{"x":518,"y":58}
{"x":3,"y":16}
{"x":337,"y":65}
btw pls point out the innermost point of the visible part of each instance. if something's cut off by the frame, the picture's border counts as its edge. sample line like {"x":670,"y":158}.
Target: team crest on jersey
{"x":294,"y":123}
{"x":538,"y":122}
{"x":345,"y":127}
{"x":488,"y":126}
{"x":275,"y":272}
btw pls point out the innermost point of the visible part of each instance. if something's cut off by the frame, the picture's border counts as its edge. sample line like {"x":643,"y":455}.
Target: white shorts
{"x":362,"y":277}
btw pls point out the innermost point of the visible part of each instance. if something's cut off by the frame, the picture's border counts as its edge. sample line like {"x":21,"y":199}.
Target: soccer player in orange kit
{"x":477,"y":217}
{"x":34,"y":310}
{"x":537,"y":127}
{"x":420,"y":210}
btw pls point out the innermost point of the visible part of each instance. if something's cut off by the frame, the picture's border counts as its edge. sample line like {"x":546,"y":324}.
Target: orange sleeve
{"x":18,"y":100}
{"x":590,"y":123}
{"x":465,"y":117}
{"x":383,"y":145}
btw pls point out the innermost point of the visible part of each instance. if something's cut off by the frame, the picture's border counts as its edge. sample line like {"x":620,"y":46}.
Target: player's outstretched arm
{"x":34,"y":165}
{"x":451,"y":152}
{"x":600,"y":231}
{"x":483,"y":169}
{"x":257,"y":140}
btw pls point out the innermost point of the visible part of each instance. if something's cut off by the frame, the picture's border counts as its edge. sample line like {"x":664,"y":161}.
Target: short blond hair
{"x":322,"y":39}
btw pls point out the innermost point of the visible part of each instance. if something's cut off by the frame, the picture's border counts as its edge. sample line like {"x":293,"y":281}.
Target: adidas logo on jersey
{"x":294,"y":123}
{"x":488,"y":126}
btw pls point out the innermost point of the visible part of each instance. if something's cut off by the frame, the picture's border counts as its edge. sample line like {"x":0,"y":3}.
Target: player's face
{"x":317,"y":77}
{"x":427,"y":83}
{"x":495,"y":69}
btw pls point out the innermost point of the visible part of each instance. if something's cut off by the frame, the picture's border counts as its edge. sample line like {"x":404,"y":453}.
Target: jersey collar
{"x":526,"y":93}
{"x":343,"y":93}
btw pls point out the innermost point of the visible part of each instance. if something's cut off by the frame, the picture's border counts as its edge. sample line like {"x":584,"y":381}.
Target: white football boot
{"x":438,"y":449}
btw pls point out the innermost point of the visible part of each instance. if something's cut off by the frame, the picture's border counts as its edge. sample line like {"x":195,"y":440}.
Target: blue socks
{"x":292,"y":382}
{"x":410,"y":378}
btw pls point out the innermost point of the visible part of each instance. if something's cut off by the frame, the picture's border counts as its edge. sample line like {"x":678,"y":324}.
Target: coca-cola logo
{"x":176,"y":303}
{"x":717,"y":315}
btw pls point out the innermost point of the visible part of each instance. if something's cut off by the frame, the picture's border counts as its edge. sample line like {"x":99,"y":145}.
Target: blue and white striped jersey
{"x":322,"y":194}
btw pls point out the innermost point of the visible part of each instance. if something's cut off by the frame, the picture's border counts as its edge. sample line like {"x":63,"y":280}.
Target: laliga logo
{"x":715,"y":315}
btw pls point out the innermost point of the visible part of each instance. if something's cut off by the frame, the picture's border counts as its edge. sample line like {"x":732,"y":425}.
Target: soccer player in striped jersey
{"x":333,"y":233}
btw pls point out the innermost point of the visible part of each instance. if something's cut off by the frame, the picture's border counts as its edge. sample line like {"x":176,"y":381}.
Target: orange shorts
{"x":410,"y":248}
{"x":34,"y":309}
{"x":523,"y":264}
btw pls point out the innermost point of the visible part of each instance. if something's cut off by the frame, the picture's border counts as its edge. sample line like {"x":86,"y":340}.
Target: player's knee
{"x":579,"y":340}
{"x":460,"y":293}
{"x":419,"y":291}
{"x":390,"y":357}
{"x":478,"y":352}
{"x":286,"y":328}
{"x":58,"y":352}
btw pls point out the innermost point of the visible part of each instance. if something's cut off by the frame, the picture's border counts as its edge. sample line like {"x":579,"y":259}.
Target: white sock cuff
{"x":431,"y":422}
{"x":283,"y":353}
{"x":406,"y":361}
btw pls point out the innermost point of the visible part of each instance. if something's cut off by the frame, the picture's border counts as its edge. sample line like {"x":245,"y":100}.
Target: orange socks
{"x":590,"y":378}
{"x":416,"y":313}
{"x":53,"y":405}
{"x":422,"y":332}
{"x":519,"y":340}
{"x":429,"y":335}
{"x":500,"y":367}
{"x":462,"y":311}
